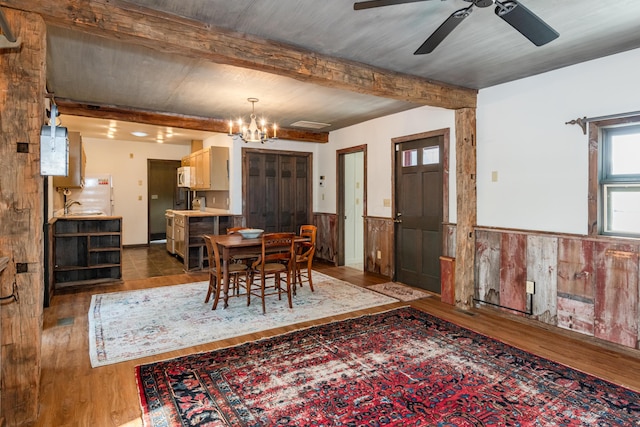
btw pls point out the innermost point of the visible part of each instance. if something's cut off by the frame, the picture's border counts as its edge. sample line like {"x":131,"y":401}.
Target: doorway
{"x":419,"y":210}
{"x":162,"y":193}
{"x":352,"y":191}
{"x":277,"y":192}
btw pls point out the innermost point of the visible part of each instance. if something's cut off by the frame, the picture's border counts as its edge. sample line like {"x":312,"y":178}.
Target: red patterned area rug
{"x":398,"y":368}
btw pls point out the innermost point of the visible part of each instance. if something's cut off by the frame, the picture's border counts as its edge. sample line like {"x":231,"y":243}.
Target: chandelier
{"x":252,"y":133}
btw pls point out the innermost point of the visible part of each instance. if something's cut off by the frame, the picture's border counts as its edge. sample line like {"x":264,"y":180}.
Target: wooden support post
{"x":466,"y":206}
{"x":22,"y":94}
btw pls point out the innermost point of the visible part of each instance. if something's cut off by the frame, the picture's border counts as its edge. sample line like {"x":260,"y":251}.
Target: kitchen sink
{"x":87,"y":213}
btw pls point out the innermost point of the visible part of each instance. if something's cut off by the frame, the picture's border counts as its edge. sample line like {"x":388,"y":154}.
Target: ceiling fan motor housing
{"x":483,"y":3}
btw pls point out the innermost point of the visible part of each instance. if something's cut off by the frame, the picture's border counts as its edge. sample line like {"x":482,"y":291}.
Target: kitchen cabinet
{"x":77,"y":161}
{"x":209,"y":168}
{"x":189,"y":226}
{"x":85,"y":250}
{"x":178,"y":233}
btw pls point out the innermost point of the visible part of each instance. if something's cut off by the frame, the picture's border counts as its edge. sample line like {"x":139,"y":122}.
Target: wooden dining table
{"x":232,"y":245}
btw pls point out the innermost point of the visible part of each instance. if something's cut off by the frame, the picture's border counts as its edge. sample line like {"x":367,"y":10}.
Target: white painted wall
{"x":129,"y":178}
{"x":377,"y":135}
{"x":235,"y":161}
{"x":541,"y":162}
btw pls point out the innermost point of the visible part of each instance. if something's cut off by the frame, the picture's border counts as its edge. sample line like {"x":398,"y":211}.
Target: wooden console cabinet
{"x":189,"y":228}
{"x":85,"y":251}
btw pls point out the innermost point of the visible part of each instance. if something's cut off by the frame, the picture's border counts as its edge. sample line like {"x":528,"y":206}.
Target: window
{"x":619,"y":181}
{"x":409,"y":158}
{"x":431,"y":155}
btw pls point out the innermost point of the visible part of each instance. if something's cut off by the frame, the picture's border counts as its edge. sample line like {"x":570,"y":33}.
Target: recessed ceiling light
{"x":139,"y":134}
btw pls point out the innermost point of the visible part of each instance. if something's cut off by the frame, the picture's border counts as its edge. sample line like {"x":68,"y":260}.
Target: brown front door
{"x":418,"y":231}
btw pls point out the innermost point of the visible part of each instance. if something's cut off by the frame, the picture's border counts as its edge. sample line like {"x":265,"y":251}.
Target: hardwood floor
{"x":75,"y":394}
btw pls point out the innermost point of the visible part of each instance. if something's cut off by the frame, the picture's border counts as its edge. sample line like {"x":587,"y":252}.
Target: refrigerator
{"x":95,"y":196}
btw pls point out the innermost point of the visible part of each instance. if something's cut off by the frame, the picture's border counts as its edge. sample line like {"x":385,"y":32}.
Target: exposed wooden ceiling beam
{"x":167,"y":33}
{"x":75,"y":108}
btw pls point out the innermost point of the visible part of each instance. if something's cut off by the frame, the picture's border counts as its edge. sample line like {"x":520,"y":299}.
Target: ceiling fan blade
{"x":443,"y":31}
{"x":526,"y":22}
{"x":379,"y":3}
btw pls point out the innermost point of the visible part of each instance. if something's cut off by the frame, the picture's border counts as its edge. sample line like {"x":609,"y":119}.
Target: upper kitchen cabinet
{"x":77,"y":161}
{"x":209,"y":169}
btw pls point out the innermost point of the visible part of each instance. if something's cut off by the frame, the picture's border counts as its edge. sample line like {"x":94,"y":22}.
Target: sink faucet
{"x":70,"y":203}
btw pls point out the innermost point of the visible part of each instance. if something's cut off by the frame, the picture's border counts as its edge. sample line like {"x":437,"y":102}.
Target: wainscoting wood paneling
{"x":576,"y":285}
{"x":327,"y":237}
{"x":448,"y":279}
{"x":487,"y":286}
{"x":379,"y":234}
{"x":616,"y":302}
{"x":513,"y":271}
{"x":542,"y":263}
{"x":449,"y":240}
{"x":584,"y":283}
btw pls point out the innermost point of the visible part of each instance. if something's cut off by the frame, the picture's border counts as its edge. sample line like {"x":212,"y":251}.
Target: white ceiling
{"x":483,"y":51}
{"x":118,"y":130}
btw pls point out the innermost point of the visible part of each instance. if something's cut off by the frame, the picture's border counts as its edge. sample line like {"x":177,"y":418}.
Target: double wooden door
{"x":277,"y":189}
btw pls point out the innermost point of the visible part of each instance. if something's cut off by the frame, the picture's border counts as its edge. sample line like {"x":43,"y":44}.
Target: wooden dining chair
{"x":216,"y":272}
{"x":247,"y":259}
{"x":304,"y":255}
{"x":276,"y":260}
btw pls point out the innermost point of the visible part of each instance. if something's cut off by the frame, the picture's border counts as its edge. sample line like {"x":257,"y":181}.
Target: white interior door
{"x":354,"y":209}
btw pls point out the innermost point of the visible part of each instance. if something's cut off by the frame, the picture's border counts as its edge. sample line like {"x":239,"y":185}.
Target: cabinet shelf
{"x":85,"y":251}
{"x":85,"y":267}
{"x":87,"y":234}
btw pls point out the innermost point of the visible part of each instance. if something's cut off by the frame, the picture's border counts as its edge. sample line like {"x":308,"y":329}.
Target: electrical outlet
{"x":531,"y":287}
{"x":379,"y":255}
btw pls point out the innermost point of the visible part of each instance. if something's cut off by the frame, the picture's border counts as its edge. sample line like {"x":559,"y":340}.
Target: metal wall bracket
{"x":14,"y":294}
{"x":6,"y":44}
{"x":7,"y":39}
{"x":581,"y":122}
{"x":4,"y":261}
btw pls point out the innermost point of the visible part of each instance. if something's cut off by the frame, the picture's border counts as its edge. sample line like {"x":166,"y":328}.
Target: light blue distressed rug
{"x":134,"y":324}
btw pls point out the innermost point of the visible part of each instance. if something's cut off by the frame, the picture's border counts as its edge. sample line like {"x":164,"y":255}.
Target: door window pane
{"x":409,"y":158}
{"x":431,"y":155}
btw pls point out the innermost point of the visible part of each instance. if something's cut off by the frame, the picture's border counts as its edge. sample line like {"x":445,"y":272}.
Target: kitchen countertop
{"x":83,"y":217}
{"x":197,"y":212}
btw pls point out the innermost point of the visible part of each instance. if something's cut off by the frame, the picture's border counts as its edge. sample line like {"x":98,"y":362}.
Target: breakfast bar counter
{"x":189,"y":226}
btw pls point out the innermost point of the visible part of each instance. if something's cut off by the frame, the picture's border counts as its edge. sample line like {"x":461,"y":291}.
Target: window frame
{"x":600,"y":178}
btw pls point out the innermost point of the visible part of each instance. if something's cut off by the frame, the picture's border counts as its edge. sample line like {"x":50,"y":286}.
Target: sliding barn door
{"x":277,"y":190}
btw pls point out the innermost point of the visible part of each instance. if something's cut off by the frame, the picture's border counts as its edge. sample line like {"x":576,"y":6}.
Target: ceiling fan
{"x":513,"y":12}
